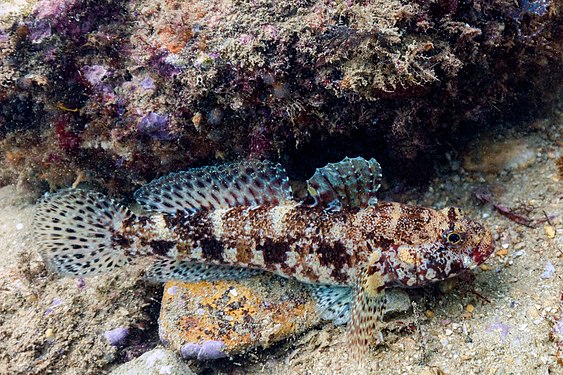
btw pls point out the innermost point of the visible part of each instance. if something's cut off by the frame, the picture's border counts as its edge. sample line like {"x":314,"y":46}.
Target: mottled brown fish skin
{"x":315,"y":246}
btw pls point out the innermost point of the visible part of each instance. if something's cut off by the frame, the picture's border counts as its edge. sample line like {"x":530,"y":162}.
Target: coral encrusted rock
{"x":116,"y":92}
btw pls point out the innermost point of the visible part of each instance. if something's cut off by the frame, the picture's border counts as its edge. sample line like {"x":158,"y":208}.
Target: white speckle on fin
{"x":248,"y":183}
{"x":163,"y":270}
{"x":333,"y":302}
{"x":74,"y":228}
{"x":351,"y":183}
{"x":367,"y":311}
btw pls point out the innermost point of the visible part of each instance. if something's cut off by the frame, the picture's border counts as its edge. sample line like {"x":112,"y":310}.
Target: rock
{"x":491,"y":156}
{"x":209,"y":320}
{"x":155,"y":362}
{"x":117,"y":336}
{"x":195,"y":81}
{"x":549,"y":231}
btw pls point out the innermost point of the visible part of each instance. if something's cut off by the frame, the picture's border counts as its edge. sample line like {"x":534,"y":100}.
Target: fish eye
{"x":453,"y":238}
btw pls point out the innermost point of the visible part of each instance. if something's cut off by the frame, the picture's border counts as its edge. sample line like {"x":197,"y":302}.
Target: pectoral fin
{"x":333,"y":302}
{"x":367,"y":311}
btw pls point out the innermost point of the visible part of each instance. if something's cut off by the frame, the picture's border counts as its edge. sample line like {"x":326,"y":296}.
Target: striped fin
{"x":368,"y":307}
{"x":247,"y":183}
{"x":351,"y":183}
{"x":163,"y":270}
{"x":78,"y":232}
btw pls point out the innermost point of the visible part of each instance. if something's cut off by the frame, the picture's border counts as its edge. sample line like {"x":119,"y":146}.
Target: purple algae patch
{"x":498,"y":327}
{"x":94,"y":74}
{"x":147,"y":83}
{"x":172,"y":290}
{"x":80,"y":283}
{"x":156,"y":126}
{"x":208,"y":350}
{"x":117,"y":336}
{"x":39,"y":30}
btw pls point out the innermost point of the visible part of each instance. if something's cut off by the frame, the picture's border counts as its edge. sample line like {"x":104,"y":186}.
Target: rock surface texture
{"x":117,"y":92}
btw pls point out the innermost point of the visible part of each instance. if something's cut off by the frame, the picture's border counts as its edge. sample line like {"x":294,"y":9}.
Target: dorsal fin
{"x":351,"y":183}
{"x":248,"y":183}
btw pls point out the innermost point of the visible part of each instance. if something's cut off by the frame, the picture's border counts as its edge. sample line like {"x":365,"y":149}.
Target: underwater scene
{"x":281,"y":187}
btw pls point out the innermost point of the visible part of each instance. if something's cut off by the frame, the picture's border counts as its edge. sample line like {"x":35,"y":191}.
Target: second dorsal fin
{"x":248,"y":183}
{"x":351,"y":183}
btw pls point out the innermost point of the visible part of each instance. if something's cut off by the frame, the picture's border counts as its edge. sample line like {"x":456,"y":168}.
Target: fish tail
{"x":79,"y":233}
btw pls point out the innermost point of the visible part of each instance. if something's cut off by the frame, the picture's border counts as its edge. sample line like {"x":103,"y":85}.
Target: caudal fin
{"x":78,"y":232}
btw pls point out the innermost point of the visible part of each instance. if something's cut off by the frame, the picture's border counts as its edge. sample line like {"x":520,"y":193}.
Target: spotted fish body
{"x":235,"y":220}
{"x":311,"y":244}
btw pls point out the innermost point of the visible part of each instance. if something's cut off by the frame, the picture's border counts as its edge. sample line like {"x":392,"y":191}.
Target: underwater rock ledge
{"x":117,"y":92}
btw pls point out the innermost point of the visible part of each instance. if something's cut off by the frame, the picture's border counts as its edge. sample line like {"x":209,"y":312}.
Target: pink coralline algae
{"x":208,"y":350}
{"x":95,"y":74}
{"x":39,"y":30}
{"x":117,"y":336}
{"x":53,"y":8}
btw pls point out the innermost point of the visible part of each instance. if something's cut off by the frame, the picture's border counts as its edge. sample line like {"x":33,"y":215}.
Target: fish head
{"x":450,"y":244}
{"x":461,"y":244}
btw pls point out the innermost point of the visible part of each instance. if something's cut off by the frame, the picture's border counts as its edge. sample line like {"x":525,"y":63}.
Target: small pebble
{"x":533,"y":313}
{"x":548,"y":271}
{"x":519,"y":253}
{"x":502,"y":252}
{"x":470,"y":308}
{"x":519,"y":245}
{"x":19,"y":226}
{"x":117,"y":336}
{"x":429,"y":314}
{"x":549,"y":231}
{"x":484,"y":267}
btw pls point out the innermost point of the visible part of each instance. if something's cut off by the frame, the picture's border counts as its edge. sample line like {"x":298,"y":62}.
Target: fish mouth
{"x":485,"y":248}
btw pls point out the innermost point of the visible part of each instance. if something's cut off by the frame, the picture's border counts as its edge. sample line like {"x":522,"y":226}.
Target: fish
{"x":239,"y":219}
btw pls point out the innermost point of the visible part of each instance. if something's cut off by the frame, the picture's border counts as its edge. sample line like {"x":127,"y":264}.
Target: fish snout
{"x":485,"y":248}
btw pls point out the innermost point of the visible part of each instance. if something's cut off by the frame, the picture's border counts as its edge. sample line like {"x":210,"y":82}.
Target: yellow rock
{"x":470,"y":308}
{"x":208,"y":320}
{"x":549,"y":231}
{"x":49,"y":333}
{"x":502,"y":252}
